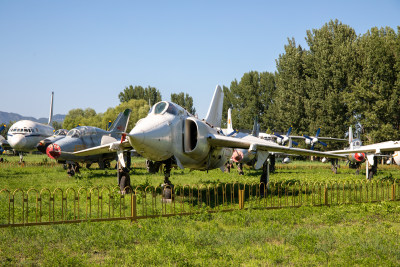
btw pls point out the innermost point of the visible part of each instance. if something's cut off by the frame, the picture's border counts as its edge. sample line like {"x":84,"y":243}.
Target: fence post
{"x":241,"y":199}
{"x":393,"y":192}
{"x":133,"y":207}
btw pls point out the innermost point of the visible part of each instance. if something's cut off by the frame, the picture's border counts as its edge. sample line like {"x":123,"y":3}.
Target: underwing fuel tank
{"x":356,"y":157}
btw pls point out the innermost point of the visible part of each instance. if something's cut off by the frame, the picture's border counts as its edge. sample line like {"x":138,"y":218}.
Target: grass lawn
{"x":363,"y":234}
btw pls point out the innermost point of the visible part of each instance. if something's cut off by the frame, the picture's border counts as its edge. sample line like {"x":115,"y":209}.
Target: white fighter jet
{"x":170,"y":133}
{"x":357,"y":153}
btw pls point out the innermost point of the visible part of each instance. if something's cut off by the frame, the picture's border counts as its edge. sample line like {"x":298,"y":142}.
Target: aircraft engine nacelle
{"x":308,"y":141}
{"x":356,"y":157}
{"x":195,"y":139}
{"x":396,"y":157}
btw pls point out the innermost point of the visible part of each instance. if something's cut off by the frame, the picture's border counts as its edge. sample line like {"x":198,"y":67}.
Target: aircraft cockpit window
{"x":160,"y":107}
{"x":74,"y":133}
{"x":25,"y":130}
{"x":172,"y":109}
{"x":60,"y":132}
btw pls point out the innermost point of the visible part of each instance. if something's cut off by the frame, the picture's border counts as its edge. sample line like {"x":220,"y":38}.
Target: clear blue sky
{"x":88,"y":51}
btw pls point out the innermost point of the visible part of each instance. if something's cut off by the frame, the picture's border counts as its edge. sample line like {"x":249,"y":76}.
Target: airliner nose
{"x":53,"y":151}
{"x":17,"y":141}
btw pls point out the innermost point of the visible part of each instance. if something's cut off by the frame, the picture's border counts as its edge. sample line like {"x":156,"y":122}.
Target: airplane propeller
{"x":314,"y":140}
{"x":285,"y":138}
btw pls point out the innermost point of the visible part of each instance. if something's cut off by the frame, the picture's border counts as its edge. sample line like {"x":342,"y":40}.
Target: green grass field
{"x":363,"y":234}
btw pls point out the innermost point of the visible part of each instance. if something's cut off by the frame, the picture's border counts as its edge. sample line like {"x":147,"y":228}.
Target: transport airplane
{"x":24,"y":135}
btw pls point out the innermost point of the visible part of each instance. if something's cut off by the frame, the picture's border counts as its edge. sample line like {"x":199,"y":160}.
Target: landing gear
{"x":124,"y":180}
{"x":153,"y":167}
{"x":73,"y":168}
{"x":373,"y":170}
{"x":264,"y":179}
{"x":167,"y":186}
{"x":272,"y":163}
{"x":356,"y":166}
{"x":228,"y":166}
{"x":21,"y":158}
{"x":334,"y":165}
{"x":240,"y":168}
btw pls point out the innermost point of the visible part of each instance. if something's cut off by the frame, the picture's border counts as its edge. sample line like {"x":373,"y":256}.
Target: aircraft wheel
{"x":71,"y":172}
{"x":125,"y":183}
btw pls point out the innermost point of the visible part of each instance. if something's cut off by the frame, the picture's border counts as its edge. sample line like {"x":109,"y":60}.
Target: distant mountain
{"x":6,"y":117}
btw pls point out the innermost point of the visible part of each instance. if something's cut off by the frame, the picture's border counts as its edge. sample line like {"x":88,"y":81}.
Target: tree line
{"x":341,"y":80}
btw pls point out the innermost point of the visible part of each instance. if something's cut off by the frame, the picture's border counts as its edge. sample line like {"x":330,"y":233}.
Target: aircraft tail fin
{"x":350,"y":135}
{"x":51,"y":109}
{"x":121,"y":122}
{"x":214,"y":114}
{"x":256,"y":128}
{"x":229,"y":126}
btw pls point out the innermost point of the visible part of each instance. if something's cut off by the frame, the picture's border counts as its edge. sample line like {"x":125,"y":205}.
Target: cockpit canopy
{"x":81,"y":131}
{"x":61,"y":132}
{"x":166,"y":107}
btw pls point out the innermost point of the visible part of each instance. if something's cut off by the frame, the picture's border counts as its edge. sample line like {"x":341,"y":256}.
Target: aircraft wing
{"x":374,"y":148}
{"x":4,"y":143}
{"x":260,"y":144}
{"x":320,"y":138}
{"x":106,"y":148}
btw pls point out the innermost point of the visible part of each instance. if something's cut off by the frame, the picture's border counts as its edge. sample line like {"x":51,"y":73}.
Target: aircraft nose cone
{"x":136,"y":137}
{"x":17,"y":141}
{"x":53,"y":151}
{"x":42,"y":146}
{"x":359,"y":156}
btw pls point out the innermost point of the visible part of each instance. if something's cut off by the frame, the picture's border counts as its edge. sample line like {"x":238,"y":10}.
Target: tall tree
{"x":330,"y":69}
{"x":184,"y":100}
{"x":150,"y":94}
{"x":291,"y":94}
{"x":250,"y":97}
{"x":375,"y":94}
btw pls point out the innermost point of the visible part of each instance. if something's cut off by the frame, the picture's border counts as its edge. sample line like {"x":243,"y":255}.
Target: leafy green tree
{"x":88,"y":117}
{"x":250,"y":97}
{"x":330,"y":69}
{"x":375,"y":95}
{"x":150,"y":94}
{"x":56,"y":125}
{"x":184,"y":100}
{"x":288,"y":105}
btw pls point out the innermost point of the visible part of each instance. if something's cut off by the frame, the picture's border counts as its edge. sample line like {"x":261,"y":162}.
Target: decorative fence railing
{"x":40,"y":207}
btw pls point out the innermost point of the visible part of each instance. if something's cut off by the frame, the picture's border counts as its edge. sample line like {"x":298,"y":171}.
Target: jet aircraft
{"x":309,"y":140}
{"x":170,"y":132}
{"x":24,"y":135}
{"x":357,"y":153}
{"x":83,"y":137}
{"x":43,"y":144}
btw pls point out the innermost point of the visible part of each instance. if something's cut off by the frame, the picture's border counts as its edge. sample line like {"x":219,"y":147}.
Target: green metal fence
{"x":39,"y":207}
